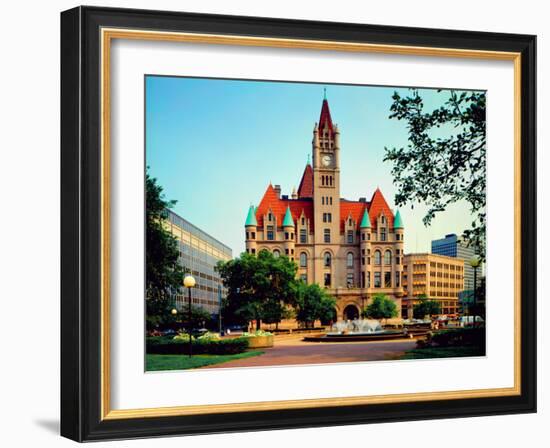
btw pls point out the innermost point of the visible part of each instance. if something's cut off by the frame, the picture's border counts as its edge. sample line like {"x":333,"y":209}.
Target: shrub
{"x":163,"y":346}
{"x":257,"y":333}
{"x":209,"y":336}
{"x":184,"y":337}
{"x":459,"y":337}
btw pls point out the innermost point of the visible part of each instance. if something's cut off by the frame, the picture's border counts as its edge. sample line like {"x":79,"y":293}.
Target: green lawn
{"x":181,"y":362}
{"x":443,"y":352}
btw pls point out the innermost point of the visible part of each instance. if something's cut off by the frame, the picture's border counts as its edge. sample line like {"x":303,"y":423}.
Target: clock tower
{"x":326,"y":196}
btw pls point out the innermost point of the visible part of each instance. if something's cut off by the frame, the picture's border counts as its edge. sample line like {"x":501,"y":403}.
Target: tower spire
{"x":325,"y":94}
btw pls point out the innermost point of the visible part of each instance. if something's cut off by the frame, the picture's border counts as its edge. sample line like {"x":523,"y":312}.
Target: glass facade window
{"x":349,"y":280}
{"x":198,"y":254}
{"x":387,"y":257}
{"x":387,"y":279}
{"x":276,"y":253}
{"x":377,"y":257}
{"x":350,"y":236}
{"x":327,"y":236}
{"x":303,"y":260}
{"x":327,"y":279}
{"x":349,"y":260}
{"x":270,"y":233}
{"x":377,"y":280}
{"x":327,"y":259}
{"x":303,"y":236}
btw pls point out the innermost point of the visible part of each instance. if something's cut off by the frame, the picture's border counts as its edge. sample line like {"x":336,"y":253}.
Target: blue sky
{"x":215,"y":145}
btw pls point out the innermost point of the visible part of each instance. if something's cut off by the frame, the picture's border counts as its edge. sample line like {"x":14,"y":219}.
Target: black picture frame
{"x":81,"y":224}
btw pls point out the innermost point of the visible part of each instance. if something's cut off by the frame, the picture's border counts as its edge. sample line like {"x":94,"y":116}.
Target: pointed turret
{"x":365,"y":222}
{"x":251,"y":217}
{"x":325,"y":120}
{"x":397,"y":221}
{"x":288,"y":221}
{"x":305,"y":189}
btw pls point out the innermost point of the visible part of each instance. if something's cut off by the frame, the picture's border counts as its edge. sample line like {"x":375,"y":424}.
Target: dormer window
{"x":269,"y":217}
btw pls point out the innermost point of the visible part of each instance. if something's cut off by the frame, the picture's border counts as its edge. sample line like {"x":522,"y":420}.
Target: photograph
{"x":300,"y":223}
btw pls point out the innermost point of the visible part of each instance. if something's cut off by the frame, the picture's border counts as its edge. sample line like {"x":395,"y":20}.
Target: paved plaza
{"x":292,"y":351}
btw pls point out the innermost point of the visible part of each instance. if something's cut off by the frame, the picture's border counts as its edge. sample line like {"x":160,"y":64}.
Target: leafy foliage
{"x":163,"y":346}
{"x":259,"y":287}
{"x":381,"y":307}
{"x":426,"y":307}
{"x":163,"y":273}
{"x":439,"y":171}
{"x":313,"y":303}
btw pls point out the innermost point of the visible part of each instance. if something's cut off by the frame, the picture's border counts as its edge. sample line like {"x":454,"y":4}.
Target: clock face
{"x":326,"y":160}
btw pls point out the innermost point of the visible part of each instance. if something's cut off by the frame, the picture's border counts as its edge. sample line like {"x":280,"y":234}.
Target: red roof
{"x":325,"y":118}
{"x":356,"y":209}
{"x":271,"y":201}
{"x":305,"y":190}
{"x":379,"y":205}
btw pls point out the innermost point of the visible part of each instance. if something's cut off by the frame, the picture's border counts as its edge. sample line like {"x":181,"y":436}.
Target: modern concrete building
{"x":353,"y":248}
{"x":199,"y":254}
{"x":454,"y":246}
{"x":438,"y":277}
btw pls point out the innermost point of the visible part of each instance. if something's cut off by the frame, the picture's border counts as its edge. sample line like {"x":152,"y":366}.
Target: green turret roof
{"x":288,"y":221}
{"x":251,"y":218}
{"x":397,"y":221}
{"x":365,"y":222}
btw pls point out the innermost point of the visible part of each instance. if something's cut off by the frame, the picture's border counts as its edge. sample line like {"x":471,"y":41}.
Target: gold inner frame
{"x":107,"y":35}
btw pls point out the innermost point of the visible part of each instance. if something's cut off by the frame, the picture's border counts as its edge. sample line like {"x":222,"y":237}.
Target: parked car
{"x":468,"y":320}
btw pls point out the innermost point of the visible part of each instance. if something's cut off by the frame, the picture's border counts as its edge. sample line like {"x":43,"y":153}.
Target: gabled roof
{"x":305,"y":190}
{"x":271,"y":201}
{"x":325,"y":118}
{"x":377,"y":206}
{"x":354,"y":209}
{"x":251,"y":218}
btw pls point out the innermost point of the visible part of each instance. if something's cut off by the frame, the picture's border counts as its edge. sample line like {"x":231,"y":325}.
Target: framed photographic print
{"x":273,"y":223}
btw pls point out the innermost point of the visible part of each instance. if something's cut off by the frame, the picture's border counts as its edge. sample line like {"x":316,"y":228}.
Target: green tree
{"x":258,"y":286}
{"x":426,"y":307}
{"x":381,"y":307}
{"x":163,"y":274}
{"x":313,"y":302}
{"x":441,"y":170}
{"x":199,"y":318}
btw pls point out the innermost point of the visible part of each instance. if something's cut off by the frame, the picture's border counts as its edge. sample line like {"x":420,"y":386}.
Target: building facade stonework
{"x":353,"y":248}
{"x":436,"y":277}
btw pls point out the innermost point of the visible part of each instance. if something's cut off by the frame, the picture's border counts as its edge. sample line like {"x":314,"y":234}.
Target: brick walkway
{"x":292,"y":352}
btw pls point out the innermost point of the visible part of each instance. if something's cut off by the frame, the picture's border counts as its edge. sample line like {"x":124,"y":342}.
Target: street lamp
{"x":189,"y":282}
{"x":474,"y":263}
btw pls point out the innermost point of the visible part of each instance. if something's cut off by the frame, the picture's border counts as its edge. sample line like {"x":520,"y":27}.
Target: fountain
{"x":357,"y":330}
{"x":356,"y":327}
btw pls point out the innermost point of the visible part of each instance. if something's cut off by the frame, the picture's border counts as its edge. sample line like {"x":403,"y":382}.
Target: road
{"x":291,"y":351}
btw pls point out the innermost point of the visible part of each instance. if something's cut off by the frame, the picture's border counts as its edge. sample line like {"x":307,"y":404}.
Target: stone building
{"x":353,"y":248}
{"x":437,"y":277}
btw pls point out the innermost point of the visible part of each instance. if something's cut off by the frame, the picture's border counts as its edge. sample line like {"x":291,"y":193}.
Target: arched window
{"x":387,"y":257}
{"x":276,"y":253}
{"x":327,"y":258}
{"x":303,"y":260}
{"x":349,"y":260}
{"x":377,"y":257}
